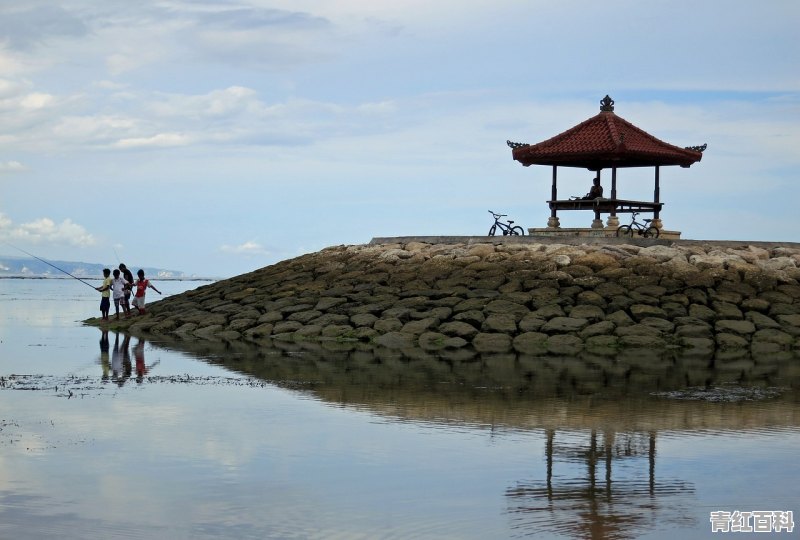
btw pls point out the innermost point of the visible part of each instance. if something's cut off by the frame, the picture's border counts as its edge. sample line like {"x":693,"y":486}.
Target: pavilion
{"x":604,"y":141}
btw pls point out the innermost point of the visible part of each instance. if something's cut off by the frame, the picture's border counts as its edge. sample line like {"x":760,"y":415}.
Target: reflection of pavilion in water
{"x":581,"y":505}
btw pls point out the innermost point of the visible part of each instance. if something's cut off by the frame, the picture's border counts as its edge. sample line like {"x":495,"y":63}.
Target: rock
{"x":663,"y":325}
{"x":694,"y":331}
{"x":500,"y":322}
{"x":420,"y":326}
{"x":238,"y":325}
{"x":740,"y":328}
{"x":789,"y":320}
{"x":481,"y":250}
{"x":760,"y":320}
{"x":590,"y":298}
{"x":726,"y":310}
{"x":531,"y":323}
{"x":307,"y":331}
{"x":304,"y":316}
{"x":755,"y":304}
{"x":783,"y":309}
{"x":432,"y":341}
{"x":395,"y":340}
{"x":597,"y":261}
{"x":698,"y":343}
{"x":772,"y":335}
{"x":270,"y":317}
{"x":564,"y":344}
{"x":638,"y":330}
{"x":208,"y":332}
{"x":259,"y":332}
{"x":703,"y":313}
{"x":597,"y":329}
{"x":473,"y":317}
{"x":549,"y":312}
{"x":642,"y":341}
{"x":620,"y":318}
{"x":602,"y":344}
{"x":459,"y":329}
{"x":530,"y":343}
{"x":642,"y":311}
{"x":363,"y":319}
{"x":731,"y":341}
{"x":338,"y":331}
{"x":561,"y":325}
{"x":507,"y":307}
{"x":327,"y":302}
{"x":286,"y":327}
{"x":592,"y":313}
{"x":488,"y":343}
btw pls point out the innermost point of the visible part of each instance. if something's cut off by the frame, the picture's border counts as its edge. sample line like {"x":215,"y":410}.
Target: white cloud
{"x":248,"y":249}
{"x":160,"y":140}
{"x":45,"y":231}
{"x":11,"y":167}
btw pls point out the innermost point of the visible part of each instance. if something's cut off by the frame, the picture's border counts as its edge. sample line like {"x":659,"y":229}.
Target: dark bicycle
{"x":508,"y":228}
{"x":641,"y":229}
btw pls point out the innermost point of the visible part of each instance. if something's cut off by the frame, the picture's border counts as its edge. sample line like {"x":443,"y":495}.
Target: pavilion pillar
{"x":656,"y":199}
{"x":613,"y":220}
{"x":553,"y":222}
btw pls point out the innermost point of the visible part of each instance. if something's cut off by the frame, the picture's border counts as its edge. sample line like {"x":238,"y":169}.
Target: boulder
{"x":492,"y":343}
{"x":563,"y":325}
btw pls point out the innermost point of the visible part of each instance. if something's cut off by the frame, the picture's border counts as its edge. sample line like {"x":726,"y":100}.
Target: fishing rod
{"x":54,"y":266}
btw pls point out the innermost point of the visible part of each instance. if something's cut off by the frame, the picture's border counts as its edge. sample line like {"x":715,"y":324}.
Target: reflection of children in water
{"x":104,"y":353}
{"x":121,"y":361}
{"x":141,"y":369}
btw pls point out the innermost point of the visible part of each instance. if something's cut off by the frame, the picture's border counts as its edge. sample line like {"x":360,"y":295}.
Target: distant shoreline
{"x":96,"y":278}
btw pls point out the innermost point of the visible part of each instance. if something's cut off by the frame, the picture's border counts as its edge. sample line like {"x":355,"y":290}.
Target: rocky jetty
{"x":528,"y":296}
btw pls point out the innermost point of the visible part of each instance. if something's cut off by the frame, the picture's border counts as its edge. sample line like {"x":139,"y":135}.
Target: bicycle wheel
{"x":651,"y":232}
{"x":625,"y":231}
{"x":517,"y":231}
{"x":493,"y":230}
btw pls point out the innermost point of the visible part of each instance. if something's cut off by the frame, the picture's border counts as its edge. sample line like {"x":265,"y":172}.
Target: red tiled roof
{"x":604,"y":141}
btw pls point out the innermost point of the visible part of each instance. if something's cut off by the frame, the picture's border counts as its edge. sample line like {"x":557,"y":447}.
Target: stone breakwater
{"x":532,"y":298}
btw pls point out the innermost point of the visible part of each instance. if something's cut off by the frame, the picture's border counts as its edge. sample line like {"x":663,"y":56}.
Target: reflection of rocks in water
{"x":609,"y":490}
{"x":517,"y":391}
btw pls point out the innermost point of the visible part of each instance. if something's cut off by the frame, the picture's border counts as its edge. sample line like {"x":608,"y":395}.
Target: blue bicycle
{"x":508,"y":228}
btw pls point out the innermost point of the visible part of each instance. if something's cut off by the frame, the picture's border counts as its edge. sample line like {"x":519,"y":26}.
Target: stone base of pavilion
{"x":588,"y":232}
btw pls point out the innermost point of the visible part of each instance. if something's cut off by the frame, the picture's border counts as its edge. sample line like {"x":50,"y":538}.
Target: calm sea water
{"x":110,"y":437}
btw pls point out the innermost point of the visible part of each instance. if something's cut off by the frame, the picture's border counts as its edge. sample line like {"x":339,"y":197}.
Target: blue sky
{"x":216,"y":137}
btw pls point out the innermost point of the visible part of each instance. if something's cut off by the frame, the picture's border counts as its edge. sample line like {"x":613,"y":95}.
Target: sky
{"x":216,"y":137}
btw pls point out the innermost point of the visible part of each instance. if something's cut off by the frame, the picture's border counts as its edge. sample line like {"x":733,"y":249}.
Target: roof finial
{"x":607,"y":104}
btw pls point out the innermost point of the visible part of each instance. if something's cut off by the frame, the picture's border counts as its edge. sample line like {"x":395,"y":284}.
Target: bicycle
{"x":507,"y":228}
{"x":641,"y":229}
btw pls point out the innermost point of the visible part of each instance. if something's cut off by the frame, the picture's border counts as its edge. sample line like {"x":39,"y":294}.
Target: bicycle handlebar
{"x":498,"y":215}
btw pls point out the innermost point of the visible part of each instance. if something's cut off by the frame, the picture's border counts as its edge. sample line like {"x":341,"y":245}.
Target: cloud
{"x":247,"y":249}
{"x":11,"y":167}
{"x":45,"y":231}
{"x":160,"y":140}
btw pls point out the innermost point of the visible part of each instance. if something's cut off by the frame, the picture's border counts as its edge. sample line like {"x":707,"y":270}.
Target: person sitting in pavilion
{"x":596,"y":191}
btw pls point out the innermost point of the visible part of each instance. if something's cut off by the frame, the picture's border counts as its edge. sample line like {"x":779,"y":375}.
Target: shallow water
{"x":195,"y":440}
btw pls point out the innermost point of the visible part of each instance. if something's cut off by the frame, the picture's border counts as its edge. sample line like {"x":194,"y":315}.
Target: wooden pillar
{"x":657,"y":193}
{"x":614,"y":187}
{"x":552,"y":222}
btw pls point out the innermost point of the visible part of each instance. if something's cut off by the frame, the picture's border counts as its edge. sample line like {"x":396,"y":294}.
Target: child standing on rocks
{"x":141,"y":287}
{"x":105,"y":290}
